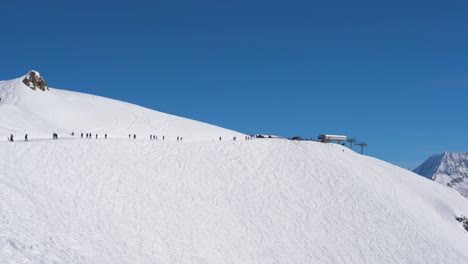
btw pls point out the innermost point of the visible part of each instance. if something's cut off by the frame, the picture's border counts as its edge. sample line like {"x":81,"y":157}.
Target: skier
{"x":105,"y":136}
{"x":26,"y":137}
{"x":11,"y":137}
{"x":96,"y":136}
{"x":81,"y":134}
{"x":134,"y":136}
{"x":129,"y":136}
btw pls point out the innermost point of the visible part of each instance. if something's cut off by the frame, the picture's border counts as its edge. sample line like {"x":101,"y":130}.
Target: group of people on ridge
{"x":10,"y":138}
{"x":89,"y":135}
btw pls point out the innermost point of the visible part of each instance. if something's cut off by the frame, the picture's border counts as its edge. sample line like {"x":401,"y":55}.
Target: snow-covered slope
{"x":449,"y":169}
{"x":41,"y":113}
{"x":118,"y":200}
{"x":258,"y":201}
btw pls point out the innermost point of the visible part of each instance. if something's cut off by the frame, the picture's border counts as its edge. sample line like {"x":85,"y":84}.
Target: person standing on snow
{"x":26,"y":137}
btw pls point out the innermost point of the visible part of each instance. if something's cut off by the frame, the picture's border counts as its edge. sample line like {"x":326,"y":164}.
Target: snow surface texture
{"x":449,"y":169}
{"x":41,"y":113}
{"x":258,"y":201}
{"x":245,"y":201}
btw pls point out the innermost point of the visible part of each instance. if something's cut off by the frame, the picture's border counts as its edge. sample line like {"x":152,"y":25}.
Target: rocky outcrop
{"x":34,"y":81}
{"x":464,"y":221}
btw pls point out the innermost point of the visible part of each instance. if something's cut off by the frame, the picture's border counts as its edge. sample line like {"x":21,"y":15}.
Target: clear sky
{"x":391,"y":73}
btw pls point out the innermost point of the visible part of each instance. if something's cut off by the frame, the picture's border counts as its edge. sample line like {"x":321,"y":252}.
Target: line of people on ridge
{"x":89,"y":135}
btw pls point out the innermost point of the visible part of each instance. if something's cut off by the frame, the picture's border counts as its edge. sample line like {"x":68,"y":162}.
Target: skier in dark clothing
{"x":129,"y":136}
{"x":26,"y":137}
{"x":134,"y":136}
{"x":105,"y":136}
{"x":96,"y":135}
{"x":11,"y":137}
{"x":81,"y":134}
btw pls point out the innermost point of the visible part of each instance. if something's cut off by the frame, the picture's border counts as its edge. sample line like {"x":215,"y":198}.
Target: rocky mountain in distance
{"x":447,"y":168}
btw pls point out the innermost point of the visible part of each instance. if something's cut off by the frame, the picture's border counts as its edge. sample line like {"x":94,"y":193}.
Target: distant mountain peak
{"x":34,"y":81}
{"x":447,"y":168}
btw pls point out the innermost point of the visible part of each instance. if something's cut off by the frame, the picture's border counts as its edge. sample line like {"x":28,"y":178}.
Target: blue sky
{"x":393,"y":74}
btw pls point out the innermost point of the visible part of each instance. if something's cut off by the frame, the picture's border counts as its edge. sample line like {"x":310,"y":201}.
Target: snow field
{"x":258,"y":201}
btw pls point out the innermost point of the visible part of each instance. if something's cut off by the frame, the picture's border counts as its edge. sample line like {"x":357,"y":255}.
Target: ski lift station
{"x":331,"y":138}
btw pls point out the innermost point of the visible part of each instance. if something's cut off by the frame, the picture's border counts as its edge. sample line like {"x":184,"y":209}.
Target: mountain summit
{"x":24,"y":109}
{"x":34,"y":81}
{"x":447,"y":168}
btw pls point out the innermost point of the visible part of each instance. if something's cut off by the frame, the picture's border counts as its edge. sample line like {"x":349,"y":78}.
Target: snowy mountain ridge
{"x":39,"y":114}
{"x":447,"y":168}
{"x":203,"y":200}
